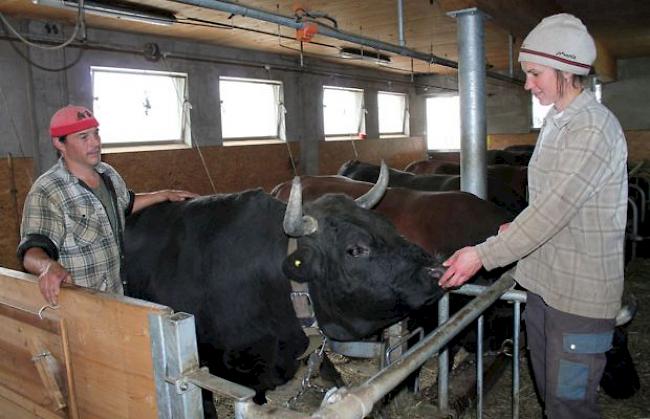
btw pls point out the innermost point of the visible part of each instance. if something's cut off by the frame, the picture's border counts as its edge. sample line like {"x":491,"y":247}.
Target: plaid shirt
{"x":570,"y":238}
{"x":64,"y":218}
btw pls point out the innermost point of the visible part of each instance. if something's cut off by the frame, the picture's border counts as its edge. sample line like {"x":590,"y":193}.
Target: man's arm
{"x":50,"y":273}
{"x":143,"y":200}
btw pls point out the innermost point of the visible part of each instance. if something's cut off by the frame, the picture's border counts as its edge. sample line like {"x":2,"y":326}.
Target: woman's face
{"x":542,"y":82}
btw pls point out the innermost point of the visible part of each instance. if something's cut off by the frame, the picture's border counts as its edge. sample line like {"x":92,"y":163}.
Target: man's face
{"x":82,"y":148}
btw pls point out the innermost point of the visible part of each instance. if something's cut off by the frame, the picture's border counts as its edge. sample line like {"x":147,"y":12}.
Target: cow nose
{"x":435,"y":273}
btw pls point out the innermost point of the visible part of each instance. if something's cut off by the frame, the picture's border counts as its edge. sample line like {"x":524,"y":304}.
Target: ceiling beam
{"x":518,"y":17}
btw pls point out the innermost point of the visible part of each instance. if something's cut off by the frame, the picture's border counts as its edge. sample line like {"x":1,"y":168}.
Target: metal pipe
{"x":443,"y":358}
{"x":634,"y":237}
{"x":358,"y":402}
{"x":246,"y":409}
{"x":291,"y":22}
{"x":511,"y":57}
{"x":474,"y":290}
{"x":400,"y":22}
{"x":479,"y":367}
{"x":471,"y":87}
{"x":636,"y":168}
{"x":643,"y":199}
{"x":515,"y":361}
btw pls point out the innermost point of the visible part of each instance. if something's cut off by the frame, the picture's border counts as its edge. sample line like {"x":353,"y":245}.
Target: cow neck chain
{"x":313,"y":364}
{"x":300,"y":298}
{"x":303,"y":307}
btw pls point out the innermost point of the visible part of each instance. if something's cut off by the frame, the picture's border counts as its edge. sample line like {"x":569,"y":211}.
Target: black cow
{"x":499,"y":189}
{"x":519,"y":156}
{"x":223,"y":258}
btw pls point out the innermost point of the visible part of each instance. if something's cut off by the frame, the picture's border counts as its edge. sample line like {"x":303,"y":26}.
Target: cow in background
{"x":499,"y":190}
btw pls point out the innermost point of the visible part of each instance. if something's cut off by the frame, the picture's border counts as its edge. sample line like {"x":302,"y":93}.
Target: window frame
{"x":405,"y":116}
{"x":185,"y":137}
{"x":281,"y":113}
{"x":362,"y":113}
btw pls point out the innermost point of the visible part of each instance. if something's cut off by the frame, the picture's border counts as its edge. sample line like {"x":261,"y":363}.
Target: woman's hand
{"x":503,"y":227}
{"x":461,"y":266}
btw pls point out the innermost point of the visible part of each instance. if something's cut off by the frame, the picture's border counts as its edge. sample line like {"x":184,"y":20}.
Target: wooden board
{"x":232,"y":168}
{"x":15,"y":181}
{"x":108,"y":341}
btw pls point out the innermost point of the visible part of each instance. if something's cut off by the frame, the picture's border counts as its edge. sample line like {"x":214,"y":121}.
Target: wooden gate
{"x":89,"y":358}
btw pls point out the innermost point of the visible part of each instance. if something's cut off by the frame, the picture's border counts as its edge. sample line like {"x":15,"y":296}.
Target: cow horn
{"x":374,"y":195}
{"x":295,"y":224}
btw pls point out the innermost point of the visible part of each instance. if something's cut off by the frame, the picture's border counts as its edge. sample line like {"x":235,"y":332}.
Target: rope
{"x":187,"y":106}
{"x":354,"y":148}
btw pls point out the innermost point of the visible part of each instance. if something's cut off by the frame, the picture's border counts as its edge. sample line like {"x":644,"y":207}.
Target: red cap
{"x":71,"y":119}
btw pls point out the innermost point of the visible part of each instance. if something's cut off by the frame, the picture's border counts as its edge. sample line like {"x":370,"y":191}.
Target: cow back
{"x":220,"y":258}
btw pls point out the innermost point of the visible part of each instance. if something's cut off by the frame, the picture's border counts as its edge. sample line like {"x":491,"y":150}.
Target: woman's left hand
{"x":461,"y":266}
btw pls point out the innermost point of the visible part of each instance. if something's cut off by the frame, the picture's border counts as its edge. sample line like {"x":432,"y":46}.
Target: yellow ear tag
{"x":297,"y":263}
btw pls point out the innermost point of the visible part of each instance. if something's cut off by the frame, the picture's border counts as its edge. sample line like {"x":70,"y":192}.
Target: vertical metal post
{"x":479,"y":367}
{"x":400,"y":22}
{"x":174,"y":352}
{"x":443,"y":358}
{"x":515,"y":361}
{"x":511,"y":57}
{"x":471,"y":86}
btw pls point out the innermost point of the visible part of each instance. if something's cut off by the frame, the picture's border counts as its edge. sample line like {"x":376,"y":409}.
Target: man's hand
{"x":143,"y":200}
{"x":49,"y":281}
{"x":177,"y":195}
{"x":461,"y":266}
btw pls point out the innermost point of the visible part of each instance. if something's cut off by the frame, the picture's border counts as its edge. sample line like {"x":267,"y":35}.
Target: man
{"x":74,"y":214}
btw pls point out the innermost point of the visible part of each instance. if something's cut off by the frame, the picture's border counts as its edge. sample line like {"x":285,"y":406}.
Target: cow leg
{"x":209,"y":408}
{"x":329,"y":374}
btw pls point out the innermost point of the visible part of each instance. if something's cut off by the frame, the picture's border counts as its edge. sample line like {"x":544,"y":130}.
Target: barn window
{"x":443,"y":123}
{"x":343,"y":112}
{"x":140,"y":107}
{"x":392,"y":113}
{"x":539,"y":112}
{"x":251,"y":109}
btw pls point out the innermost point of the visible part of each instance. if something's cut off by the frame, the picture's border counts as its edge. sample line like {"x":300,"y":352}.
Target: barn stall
{"x":206,"y":161}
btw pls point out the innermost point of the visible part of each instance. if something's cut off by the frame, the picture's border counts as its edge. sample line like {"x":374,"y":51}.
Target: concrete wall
{"x":59,"y":77}
{"x":628,"y":96}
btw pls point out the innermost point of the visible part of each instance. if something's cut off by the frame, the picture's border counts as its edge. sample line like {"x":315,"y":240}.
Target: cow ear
{"x":298,"y":265}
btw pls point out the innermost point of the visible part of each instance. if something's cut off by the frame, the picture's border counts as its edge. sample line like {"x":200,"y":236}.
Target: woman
{"x":569,"y":241}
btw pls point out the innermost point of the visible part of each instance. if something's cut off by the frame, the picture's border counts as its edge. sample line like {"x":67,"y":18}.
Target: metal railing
{"x":513,"y":296}
{"x":357,"y":402}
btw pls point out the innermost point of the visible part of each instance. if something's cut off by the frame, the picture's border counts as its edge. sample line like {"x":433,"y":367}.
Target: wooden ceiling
{"x":621,"y":27}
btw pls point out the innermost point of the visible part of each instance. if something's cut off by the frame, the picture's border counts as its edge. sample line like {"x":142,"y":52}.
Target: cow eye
{"x":358,"y":250}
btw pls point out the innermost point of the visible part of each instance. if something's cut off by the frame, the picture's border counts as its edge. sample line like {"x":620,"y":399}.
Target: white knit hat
{"x":560,"y":41}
